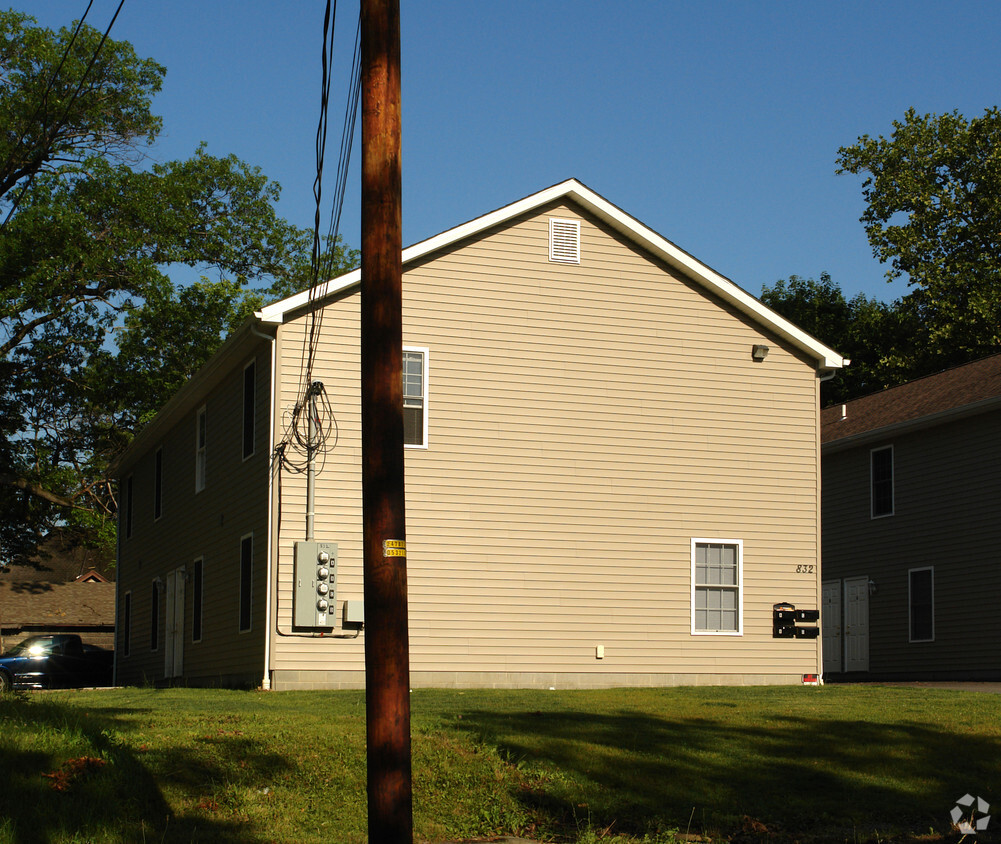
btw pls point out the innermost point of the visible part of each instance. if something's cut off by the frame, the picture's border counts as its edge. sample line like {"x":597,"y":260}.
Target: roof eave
{"x":907,"y":426}
{"x":193,"y":389}
{"x":826,"y":359}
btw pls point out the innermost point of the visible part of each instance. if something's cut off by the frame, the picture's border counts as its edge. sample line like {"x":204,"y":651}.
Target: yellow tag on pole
{"x":394,"y":548}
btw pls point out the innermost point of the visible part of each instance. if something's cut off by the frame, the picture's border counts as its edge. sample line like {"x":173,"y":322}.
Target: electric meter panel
{"x":315,"y":584}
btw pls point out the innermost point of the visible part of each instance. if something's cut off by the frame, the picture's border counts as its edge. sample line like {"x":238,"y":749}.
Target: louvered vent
{"x":564,"y":241}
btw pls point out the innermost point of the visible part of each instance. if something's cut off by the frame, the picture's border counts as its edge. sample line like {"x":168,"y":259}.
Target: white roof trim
{"x":827,"y":358}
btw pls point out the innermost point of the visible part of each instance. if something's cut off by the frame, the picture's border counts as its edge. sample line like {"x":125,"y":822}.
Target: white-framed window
{"x":249,"y":408}
{"x":201,"y":437}
{"x":246,"y":581}
{"x":717,"y":586}
{"x":564,"y":241}
{"x":415,"y":396}
{"x":921,"y":604}
{"x":881,"y":481}
{"x":158,"y":484}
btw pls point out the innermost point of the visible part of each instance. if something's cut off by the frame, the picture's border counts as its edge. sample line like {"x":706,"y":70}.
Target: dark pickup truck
{"x":58,"y":661}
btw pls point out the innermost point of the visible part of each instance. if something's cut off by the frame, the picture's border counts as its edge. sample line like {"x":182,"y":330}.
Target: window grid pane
{"x":716,"y":598}
{"x":413,"y":398}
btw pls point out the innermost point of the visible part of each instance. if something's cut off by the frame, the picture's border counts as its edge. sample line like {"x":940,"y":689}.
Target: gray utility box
{"x":315,"y":584}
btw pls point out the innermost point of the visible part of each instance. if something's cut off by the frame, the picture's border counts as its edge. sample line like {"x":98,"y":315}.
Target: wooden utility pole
{"x":387,"y":644}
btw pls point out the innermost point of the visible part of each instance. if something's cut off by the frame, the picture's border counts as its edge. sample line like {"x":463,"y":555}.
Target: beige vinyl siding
{"x":208,"y":525}
{"x":947,"y":488}
{"x":585,"y":423}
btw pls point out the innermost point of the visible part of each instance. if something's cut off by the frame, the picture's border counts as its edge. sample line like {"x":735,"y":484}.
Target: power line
{"x":295,"y":440}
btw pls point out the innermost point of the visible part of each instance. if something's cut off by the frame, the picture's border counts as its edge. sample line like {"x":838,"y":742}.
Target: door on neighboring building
{"x":174,"y":645}
{"x":830,"y":622}
{"x":857,"y":624}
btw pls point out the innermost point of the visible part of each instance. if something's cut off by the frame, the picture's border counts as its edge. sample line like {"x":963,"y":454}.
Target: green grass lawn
{"x":834,"y":763}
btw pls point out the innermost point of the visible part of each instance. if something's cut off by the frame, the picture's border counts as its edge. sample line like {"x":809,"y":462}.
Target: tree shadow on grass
{"x":790,"y":776}
{"x":107,"y":791}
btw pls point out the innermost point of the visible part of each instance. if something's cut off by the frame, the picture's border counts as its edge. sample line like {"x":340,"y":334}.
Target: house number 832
{"x":804,"y":569}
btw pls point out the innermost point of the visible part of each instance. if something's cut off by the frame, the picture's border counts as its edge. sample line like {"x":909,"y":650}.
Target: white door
{"x":857,"y":624}
{"x":173,"y":664}
{"x":830,"y":623}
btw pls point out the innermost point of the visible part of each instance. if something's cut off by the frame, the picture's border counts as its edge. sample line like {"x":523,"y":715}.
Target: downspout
{"x":266,"y":679}
{"x":827,"y":376}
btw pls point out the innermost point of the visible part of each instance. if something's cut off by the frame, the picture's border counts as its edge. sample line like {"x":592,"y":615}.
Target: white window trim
{"x":201,"y":449}
{"x":910,"y":604}
{"x":563,"y":256}
{"x":893,"y":484}
{"x":426,"y":352}
{"x":243,"y":429}
{"x":740,"y":586}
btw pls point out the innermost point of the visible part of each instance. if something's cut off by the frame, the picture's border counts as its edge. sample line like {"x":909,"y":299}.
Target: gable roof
{"x":51,"y":606}
{"x":573,"y":191}
{"x":960,"y":391}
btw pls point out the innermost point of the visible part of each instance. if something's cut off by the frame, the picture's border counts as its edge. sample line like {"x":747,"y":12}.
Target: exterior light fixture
{"x":759,"y":352}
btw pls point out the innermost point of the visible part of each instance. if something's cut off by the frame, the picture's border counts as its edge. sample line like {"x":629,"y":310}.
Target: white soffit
{"x":629,"y":226}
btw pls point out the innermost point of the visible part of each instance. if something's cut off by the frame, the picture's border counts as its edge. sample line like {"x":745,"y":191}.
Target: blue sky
{"x":716,"y":123}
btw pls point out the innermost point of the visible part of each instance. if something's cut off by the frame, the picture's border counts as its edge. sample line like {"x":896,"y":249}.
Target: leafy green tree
{"x":868,"y":332}
{"x":933,"y":194}
{"x":94,"y":335}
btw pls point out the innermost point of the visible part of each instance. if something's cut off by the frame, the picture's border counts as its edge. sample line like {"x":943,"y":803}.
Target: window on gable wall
{"x":881,"y":478}
{"x":415,"y":397}
{"x":716,"y":586}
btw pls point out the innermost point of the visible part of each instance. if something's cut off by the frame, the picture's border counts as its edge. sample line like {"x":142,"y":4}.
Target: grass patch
{"x":835,"y":763}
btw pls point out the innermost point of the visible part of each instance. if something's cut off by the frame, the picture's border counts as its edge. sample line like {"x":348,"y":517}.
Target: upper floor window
{"x":249,"y":408}
{"x":716,"y":586}
{"x":881,"y":473}
{"x":415,"y":396}
{"x":201,"y":434}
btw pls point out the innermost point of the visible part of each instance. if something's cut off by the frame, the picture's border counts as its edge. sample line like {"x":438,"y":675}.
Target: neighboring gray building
{"x":912,"y":529}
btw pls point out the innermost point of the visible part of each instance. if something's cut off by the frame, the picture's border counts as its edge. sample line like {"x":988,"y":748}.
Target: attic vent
{"x":564,"y":241}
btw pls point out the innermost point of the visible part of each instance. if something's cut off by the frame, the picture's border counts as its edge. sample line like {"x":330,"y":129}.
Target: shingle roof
{"x":965,"y":387}
{"x":51,"y":605}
